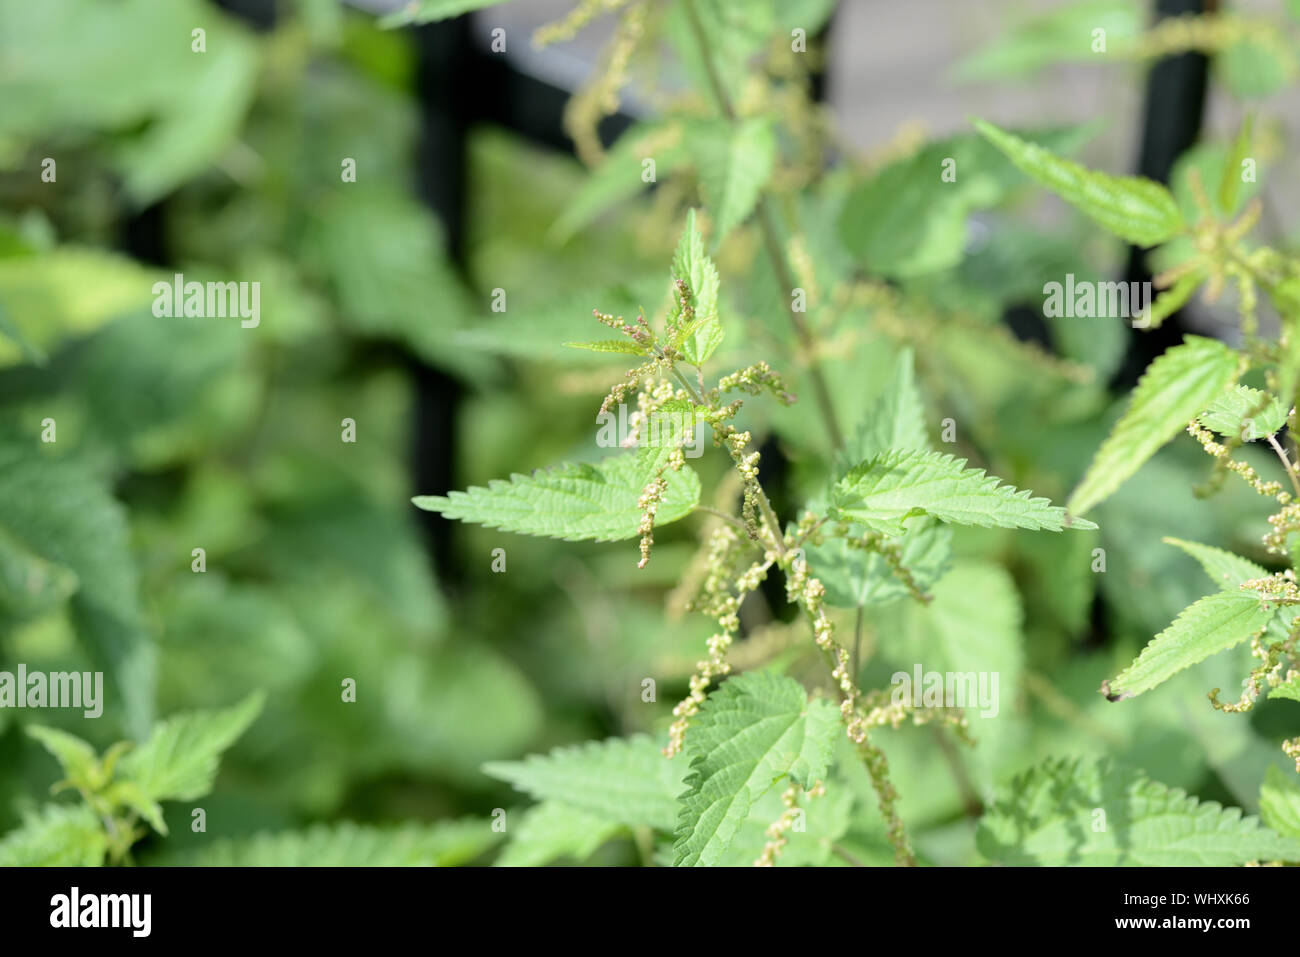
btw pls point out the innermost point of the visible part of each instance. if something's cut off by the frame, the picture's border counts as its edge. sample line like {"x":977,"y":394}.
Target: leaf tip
{"x":1114,"y":695}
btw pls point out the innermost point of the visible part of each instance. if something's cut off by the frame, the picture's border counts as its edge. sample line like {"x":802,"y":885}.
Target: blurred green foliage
{"x":177,"y":434}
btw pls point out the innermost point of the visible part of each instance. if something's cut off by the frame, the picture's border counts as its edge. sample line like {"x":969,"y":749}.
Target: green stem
{"x":857,"y":643}
{"x":808,"y":534}
{"x":718,"y":513}
{"x":685,"y":384}
{"x":644,"y":845}
{"x":844,"y":853}
{"x":771,"y":239}
{"x":1286,"y":464}
{"x":969,"y":796}
{"x":1059,"y":704}
{"x":765,"y":506}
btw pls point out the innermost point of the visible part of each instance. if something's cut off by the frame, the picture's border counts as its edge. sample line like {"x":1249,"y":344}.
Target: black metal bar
{"x":461,"y":83}
{"x":1172,"y":116}
{"x":449,"y":97}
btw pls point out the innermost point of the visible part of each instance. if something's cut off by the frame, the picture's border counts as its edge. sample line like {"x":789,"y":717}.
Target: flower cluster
{"x":572,"y":22}
{"x":723,"y":589}
{"x":1281,"y":526}
{"x":1222,"y":454}
{"x":892,"y":552}
{"x":598,"y":96}
{"x":778,"y":830}
{"x":1269,"y":671}
{"x":754,"y":380}
{"x":729,"y":572}
{"x":1280,"y":588}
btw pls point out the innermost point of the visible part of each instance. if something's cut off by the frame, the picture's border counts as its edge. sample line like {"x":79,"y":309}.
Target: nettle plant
{"x":1196,"y":387}
{"x":121,"y":790}
{"x":762,"y":762}
{"x":891,"y":496}
{"x":118,"y":817}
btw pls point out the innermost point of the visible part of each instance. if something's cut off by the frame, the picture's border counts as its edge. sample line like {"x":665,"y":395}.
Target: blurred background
{"x":376,"y":307}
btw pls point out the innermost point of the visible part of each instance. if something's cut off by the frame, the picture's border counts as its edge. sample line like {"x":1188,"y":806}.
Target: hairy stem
{"x":857,"y":642}
{"x":1286,"y":464}
{"x":1055,"y":701}
{"x":839,"y":851}
{"x":970,"y":798}
{"x":765,"y":506}
{"x":719,"y":513}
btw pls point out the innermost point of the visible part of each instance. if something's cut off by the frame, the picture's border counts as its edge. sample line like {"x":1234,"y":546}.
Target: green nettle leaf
{"x":1256,"y":66}
{"x":201,"y":120}
{"x":173,"y":116}
{"x":855,"y":577}
{"x":129,"y":794}
{"x":1176,"y":387}
{"x":1279,"y":802}
{"x":734,"y":163}
{"x":1138,"y":210}
{"x":1051,"y":815}
{"x":30,"y":586}
{"x":430,"y":11}
{"x":1246,"y":413}
{"x":896,"y":420}
{"x":619,"y":175}
{"x":703,"y":332}
{"x":60,"y":512}
{"x":179,"y":760}
{"x":621,"y":346}
{"x":553,"y":830}
{"x":76,"y":757}
{"x":974,"y":624}
{"x":1215,"y":623}
{"x":59,"y":836}
{"x":574,"y":501}
{"x":884,"y":491}
{"x":1224,"y":568}
{"x":624,"y":780}
{"x":444,"y":844}
{"x":910,"y":218}
{"x":1062,"y":35}
{"x":382,"y":260}
{"x":751,"y":733}
{"x":51,"y":298}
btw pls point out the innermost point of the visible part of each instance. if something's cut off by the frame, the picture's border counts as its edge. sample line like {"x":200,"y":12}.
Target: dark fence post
{"x":444,"y":79}
{"x":1175,"y":106}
